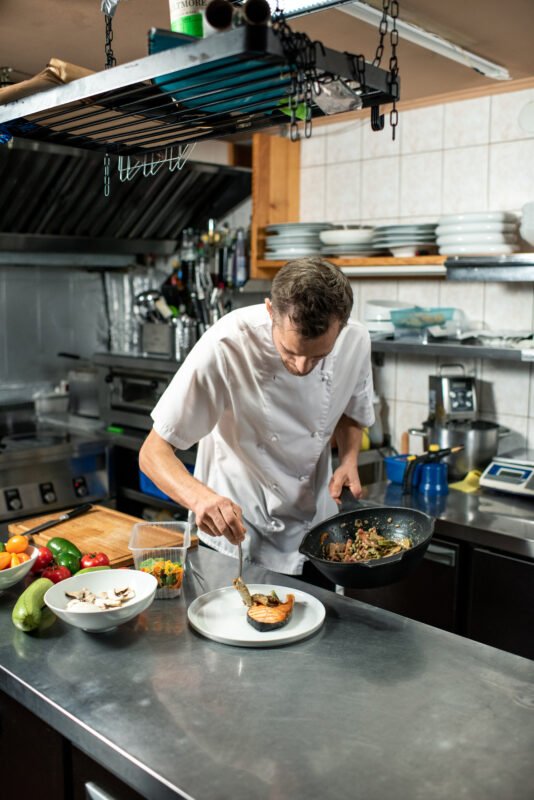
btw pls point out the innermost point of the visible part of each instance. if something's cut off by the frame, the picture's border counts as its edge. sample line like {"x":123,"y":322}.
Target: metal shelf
{"x":451,"y":349}
{"x":232,"y":82}
{"x":517,"y":268}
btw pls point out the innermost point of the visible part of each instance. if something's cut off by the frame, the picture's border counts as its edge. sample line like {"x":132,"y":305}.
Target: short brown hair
{"x":313,"y":293}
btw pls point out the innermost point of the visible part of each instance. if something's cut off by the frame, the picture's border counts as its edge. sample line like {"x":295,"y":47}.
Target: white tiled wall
{"x":464,"y":156}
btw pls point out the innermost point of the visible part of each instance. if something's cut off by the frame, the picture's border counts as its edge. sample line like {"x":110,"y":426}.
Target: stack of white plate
{"x":293,"y":240}
{"x":481,"y":233}
{"x":406,"y":240}
{"x":350,"y":240}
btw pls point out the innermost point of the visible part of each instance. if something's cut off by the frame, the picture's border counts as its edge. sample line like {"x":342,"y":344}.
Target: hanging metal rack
{"x":239,"y":81}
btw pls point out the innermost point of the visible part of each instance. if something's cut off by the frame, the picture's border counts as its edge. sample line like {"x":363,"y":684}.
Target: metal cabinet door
{"x":501,"y":602}
{"x":429,"y":595}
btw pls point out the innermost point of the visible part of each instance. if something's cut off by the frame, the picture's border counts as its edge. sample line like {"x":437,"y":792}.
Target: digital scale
{"x":514,"y":474}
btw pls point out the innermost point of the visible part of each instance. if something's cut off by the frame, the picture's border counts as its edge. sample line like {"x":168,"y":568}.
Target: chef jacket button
{"x":274,"y":487}
{"x":314,"y":434}
{"x":303,"y":478}
{"x":274,"y":438}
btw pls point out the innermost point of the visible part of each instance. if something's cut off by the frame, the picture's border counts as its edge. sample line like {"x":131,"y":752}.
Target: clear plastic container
{"x":416,"y":319}
{"x":160,"y":548}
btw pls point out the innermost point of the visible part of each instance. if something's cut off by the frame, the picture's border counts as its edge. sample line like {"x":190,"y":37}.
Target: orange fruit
{"x":22,"y":557}
{"x":15,"y":560}
{"x":17,"y":544}
{"x":5,"y":560}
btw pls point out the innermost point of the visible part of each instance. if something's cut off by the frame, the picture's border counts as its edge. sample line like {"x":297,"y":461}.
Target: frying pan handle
{"x":380,"y":561}
{"x":348,"y":501}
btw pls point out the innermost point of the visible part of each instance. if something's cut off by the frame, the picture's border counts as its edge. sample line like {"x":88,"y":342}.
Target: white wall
{"x":463,"y":156}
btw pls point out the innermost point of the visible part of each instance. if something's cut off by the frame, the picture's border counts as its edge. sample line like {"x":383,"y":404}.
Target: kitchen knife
{"x":76,"y":512}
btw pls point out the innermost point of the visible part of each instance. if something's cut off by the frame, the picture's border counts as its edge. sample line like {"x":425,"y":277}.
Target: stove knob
{"x":49,"y":497}
{"x":15,"y":504}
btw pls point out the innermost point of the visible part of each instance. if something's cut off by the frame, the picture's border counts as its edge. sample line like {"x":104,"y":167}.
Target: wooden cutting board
{"x":99,"y":530}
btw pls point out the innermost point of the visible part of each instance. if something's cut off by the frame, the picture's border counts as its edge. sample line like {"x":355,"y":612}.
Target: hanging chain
{"x":382,"y":32}
{"x":394,"y":67}
{"x":391,"y":8}
{"x":111,"y":61}
{"x":301,"y":54}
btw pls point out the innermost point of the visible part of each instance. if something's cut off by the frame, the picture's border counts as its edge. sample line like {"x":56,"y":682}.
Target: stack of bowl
{"x":488,"y":233}
{"x":349,"y":240}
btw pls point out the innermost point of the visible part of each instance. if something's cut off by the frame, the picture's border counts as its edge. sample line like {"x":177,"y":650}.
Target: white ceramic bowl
{"x":348,"y":236}
{"x":144,"y":585}
{"x":12,"y":575}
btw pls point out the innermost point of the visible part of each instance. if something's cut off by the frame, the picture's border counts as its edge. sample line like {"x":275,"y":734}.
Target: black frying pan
{"x":394,"y":523}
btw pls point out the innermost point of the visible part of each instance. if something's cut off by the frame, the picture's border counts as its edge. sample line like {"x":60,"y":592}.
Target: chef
{"x":263,"y":392}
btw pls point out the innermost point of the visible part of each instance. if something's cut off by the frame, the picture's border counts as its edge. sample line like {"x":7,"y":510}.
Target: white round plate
{"x":406,"y":228}
{"x":477,"y":216}
{"x":298,"y":243}
{"x":293,"y":236}
{"x":220,"y":615}
{"x":476,"y":238}
{"x":477,"y":227}
{"x":289,"y":253}
{"x":478,"y":250}
{"x":347,"y":248}
{"x":283,"y":227}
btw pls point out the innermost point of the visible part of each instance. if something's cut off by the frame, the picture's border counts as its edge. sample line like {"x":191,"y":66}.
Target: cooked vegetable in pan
{"x":365,"y":546}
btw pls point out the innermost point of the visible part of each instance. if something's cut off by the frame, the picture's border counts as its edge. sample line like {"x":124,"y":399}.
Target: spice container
{"x":160,"y":549}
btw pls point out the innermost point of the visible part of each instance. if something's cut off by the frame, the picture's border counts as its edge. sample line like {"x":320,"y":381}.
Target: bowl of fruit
{"x":17,"y":558}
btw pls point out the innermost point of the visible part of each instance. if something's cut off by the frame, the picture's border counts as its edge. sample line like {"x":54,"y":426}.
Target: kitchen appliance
{"x":514,"y":474}
{"x":478,"y":438}
{"x":43,"y":470}
{"x":395,"y":523}
{"x":452,"y":422}
{"x":130,"y":387}
{"x":452,"y":396}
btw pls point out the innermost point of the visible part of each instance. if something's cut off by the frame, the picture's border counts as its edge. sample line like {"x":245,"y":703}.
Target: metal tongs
{"x":240,"y":552}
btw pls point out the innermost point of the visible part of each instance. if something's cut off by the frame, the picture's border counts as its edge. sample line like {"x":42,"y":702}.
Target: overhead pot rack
{"x":240,"y":81}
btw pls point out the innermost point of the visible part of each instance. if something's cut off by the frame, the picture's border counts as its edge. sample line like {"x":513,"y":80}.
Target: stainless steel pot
{"x":479,"y":439}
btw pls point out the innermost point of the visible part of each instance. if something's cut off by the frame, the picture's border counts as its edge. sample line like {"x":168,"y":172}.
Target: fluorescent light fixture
{"x":407,"y":31}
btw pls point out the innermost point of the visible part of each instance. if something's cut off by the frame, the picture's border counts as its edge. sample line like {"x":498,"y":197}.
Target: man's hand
{"x":345,"y":476}
{"x":219,"y":516}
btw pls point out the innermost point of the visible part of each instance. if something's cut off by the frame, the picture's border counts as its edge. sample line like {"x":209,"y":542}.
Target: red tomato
{"x":43,"y":560}
{"x":94,"y":560}
{"x":56,"y":574}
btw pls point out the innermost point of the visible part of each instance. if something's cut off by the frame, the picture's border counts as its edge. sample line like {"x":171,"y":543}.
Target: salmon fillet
{"x":269,"y":618}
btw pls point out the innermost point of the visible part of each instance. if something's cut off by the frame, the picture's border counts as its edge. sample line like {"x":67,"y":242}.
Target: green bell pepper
{"x":58,"y":545}
{"x":69,"y":560}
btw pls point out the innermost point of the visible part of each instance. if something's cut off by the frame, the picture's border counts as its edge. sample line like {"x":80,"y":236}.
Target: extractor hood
{"x":52,"y":201}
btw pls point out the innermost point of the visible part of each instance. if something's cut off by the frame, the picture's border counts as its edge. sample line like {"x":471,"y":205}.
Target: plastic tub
{"x":160,"y":548}
{"x":416,"y":319}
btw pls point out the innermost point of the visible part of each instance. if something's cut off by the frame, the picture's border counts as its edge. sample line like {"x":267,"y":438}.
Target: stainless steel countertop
{"x":485,"y":518}
{"x":373,"y":705}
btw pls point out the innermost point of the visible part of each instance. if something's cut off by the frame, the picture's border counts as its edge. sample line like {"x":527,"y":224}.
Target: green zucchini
{"x":27,"y":614}
{"x":92,"y":569}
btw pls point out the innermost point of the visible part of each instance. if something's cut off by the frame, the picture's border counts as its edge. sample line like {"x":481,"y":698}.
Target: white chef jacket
{"x":263,"y":433}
